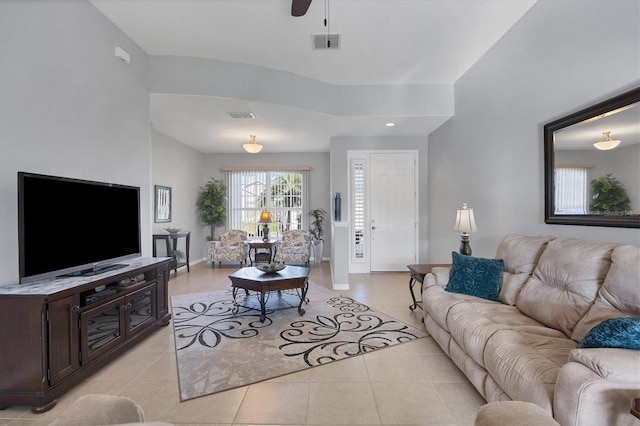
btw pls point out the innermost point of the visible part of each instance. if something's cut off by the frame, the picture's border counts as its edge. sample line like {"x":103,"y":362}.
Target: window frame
{"x":245,"y":216}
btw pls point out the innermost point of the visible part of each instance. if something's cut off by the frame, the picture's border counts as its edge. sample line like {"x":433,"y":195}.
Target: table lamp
{"x":265,"y":219}
{"x":466,"y":223}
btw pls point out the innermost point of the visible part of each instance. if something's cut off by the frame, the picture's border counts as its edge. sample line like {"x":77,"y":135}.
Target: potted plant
{"x":211,"y":205}
{"x":316,"y":230}
{"x":178,"y":256}
{"x":609,"y":195}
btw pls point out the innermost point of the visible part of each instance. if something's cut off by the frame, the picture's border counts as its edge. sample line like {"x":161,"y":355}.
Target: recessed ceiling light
{"x":390,"y":124}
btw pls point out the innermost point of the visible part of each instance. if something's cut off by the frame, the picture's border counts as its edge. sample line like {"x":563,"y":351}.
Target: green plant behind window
{"x":317,"y":224}
{"x":609,"y":195}
{"x":211,"y":204}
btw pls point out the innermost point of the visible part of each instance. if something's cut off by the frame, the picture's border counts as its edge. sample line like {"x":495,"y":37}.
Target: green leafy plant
{"x":178,"y":255}
{"x":609,"y":195}
{"x":211,"y":204}
{"x":317,"y":224}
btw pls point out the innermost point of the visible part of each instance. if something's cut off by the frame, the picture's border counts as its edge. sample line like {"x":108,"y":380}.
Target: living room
{"x":69,"y":108}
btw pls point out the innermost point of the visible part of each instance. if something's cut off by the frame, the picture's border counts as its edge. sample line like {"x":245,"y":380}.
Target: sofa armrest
{"x":438,"y":276}
{"x":214,"y":245}
{"x":95,"y":409}
{"x":612,"y":364}
{"x":595,"y":378}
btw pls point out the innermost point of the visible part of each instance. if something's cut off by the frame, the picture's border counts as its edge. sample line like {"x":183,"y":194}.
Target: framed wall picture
{"x":162,"y":204}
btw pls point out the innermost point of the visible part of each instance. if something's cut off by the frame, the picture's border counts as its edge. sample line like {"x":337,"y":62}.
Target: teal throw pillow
{"x":614,"y":333}
{"x":475,"y":276}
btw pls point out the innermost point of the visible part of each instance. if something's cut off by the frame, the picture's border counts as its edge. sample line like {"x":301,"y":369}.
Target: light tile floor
{"x":409,"y":384}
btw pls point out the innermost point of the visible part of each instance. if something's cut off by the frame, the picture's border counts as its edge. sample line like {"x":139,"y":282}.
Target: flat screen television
{"x":75,"y":227}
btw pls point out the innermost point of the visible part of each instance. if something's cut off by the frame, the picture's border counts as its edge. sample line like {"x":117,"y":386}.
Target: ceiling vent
{"x":248,"y":115}
{"x":326,"y":41}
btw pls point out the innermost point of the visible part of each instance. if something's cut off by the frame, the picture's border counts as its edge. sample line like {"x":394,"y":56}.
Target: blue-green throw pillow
{"x":475,"y":276}
{"x":614,"y":333}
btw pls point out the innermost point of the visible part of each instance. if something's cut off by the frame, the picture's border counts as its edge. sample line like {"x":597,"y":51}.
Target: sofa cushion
{"x":526,"y":365}
{"x":475,"y":276}
{"x":438,"y":302}
{"x":509,"y":413}
{"x":616,"y":297}
{"x":614,"y":333}
{"x":472,"y":323}
{"x":471,"y":330}
{"x":565,"y":282}
{"x":520,"y":254}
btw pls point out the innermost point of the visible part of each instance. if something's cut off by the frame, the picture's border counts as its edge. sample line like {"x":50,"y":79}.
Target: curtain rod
{"x":265,"y":168}
{"x":574,"y":166}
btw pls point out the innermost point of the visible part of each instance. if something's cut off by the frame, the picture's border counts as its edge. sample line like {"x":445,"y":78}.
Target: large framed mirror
{"x":592,"y":165}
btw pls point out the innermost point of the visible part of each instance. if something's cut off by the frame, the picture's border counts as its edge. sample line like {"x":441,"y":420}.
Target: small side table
{"x":261,"y":257}
{"x":171,"y":247}
{"x":418,"y":273}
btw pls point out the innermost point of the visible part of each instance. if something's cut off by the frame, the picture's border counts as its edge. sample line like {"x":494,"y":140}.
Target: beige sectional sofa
{"x":553,"y":291}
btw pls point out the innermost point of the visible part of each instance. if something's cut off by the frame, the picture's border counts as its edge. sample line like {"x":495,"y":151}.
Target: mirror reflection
{"x":596,"y":165}
{"x":592,"y":165}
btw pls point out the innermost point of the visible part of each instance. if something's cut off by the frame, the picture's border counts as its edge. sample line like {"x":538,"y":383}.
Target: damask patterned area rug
{"x":220,"y":348}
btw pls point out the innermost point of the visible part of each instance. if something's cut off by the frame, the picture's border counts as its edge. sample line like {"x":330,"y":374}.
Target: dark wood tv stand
{"x":55,"y":333}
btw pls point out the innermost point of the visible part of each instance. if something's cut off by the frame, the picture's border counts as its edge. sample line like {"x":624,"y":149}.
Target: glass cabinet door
{"x":140,"y":306}
{"x":101,"y":329}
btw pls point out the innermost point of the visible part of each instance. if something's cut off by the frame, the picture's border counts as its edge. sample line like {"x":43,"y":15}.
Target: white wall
{"x":556,"y":60}
{"x":179,"y":167}
{"x":68,"y":107}
{"x":319,"y":175}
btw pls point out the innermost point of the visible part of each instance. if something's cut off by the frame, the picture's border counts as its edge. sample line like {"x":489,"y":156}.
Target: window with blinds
{"x":572,"y":190}
{"x":283,"y":193}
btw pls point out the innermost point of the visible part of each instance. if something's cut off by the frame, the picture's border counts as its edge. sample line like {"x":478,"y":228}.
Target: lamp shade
{"x":465,"y":221}
{"x":265,"y":217}
{"x":252,"y":147}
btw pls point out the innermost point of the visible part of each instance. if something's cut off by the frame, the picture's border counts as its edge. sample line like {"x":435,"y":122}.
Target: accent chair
{"x":295,"y":247}
{"x":232,"y":247}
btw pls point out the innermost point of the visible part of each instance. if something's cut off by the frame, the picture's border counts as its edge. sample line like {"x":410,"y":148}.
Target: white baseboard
{"x":339,"y":287}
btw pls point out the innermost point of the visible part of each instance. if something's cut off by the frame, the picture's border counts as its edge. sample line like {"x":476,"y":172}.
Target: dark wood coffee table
{"x":252,"y":279}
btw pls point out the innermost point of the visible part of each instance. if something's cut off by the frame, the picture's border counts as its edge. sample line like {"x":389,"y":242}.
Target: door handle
{"x":373,"y":227}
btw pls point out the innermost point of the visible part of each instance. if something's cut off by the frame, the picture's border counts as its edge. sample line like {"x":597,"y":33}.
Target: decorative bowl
{"x":172,"y":230}
{"x":270,"y":268}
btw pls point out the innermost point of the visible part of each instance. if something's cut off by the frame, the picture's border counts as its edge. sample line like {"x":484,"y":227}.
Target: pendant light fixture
{"x":606,"y":143}
{"x":252,"y":147}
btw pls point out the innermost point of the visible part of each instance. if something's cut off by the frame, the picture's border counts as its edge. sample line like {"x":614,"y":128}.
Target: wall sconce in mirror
{"x":576,"y":173}
{"x":162,"y":204}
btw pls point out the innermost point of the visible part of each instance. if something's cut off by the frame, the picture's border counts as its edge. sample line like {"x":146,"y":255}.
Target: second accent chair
{"x":295,"y":247}
{"x":232,"y":247}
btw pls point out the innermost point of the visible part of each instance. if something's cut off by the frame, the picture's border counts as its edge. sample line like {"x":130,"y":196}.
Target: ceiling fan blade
{"x":299,"y":7}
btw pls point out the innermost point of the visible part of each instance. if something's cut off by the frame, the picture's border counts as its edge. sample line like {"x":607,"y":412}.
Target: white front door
{"x":393,"y":211}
